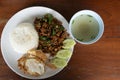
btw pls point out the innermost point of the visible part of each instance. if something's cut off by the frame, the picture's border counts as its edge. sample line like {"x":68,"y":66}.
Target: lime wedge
{"x":68,"y":43}
{"x":58,"y":62}
{"x":64,"y":54}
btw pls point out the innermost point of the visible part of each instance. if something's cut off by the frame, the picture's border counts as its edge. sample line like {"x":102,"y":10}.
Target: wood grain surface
{"x":98,"y":61}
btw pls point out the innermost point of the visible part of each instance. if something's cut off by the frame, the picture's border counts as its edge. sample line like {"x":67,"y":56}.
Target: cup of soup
{"x":86,"y":27}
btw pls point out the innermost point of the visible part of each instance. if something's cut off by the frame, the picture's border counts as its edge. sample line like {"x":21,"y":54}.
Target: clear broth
{"x":85,"y":28}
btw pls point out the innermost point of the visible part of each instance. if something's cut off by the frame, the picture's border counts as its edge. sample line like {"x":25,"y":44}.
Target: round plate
{"x":26,"y":15}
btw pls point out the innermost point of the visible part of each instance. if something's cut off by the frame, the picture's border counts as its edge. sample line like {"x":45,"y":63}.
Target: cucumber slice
{"x":59,"y":63}
{"x":64,"y":54}
{"x":68,"y":43}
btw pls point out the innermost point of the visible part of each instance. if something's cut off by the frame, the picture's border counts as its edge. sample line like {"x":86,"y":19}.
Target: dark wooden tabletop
{"x":98,"y":61}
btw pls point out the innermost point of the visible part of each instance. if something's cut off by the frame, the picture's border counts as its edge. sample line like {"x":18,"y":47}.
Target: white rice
{"x":24,"y":37}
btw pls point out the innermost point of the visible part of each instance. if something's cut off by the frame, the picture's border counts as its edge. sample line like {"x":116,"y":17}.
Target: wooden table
{"x":98,"y":61}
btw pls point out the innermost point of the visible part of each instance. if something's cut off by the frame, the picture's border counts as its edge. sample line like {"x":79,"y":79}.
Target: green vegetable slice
{"x":68,"y":43}
{"x":72,"y":21}
{"x":53,"y":32}
{"x":64,"y":54}
{"x":58,"y":62}
{"x":43,"y":38}
{"x":61,"y":28}
{"x":89,"y":16}
{"x":50,"y":18}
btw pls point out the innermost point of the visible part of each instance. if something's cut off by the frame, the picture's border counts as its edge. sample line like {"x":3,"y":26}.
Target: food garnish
{"x":68,"y":43}
{"x":64,"y":54}
{"x":59,"y":63}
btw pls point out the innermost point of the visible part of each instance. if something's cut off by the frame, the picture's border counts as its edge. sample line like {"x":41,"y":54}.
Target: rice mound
{"x":24,"y":37}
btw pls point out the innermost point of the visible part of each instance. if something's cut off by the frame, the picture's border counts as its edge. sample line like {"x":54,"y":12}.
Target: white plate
{"x":26,"y":15}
